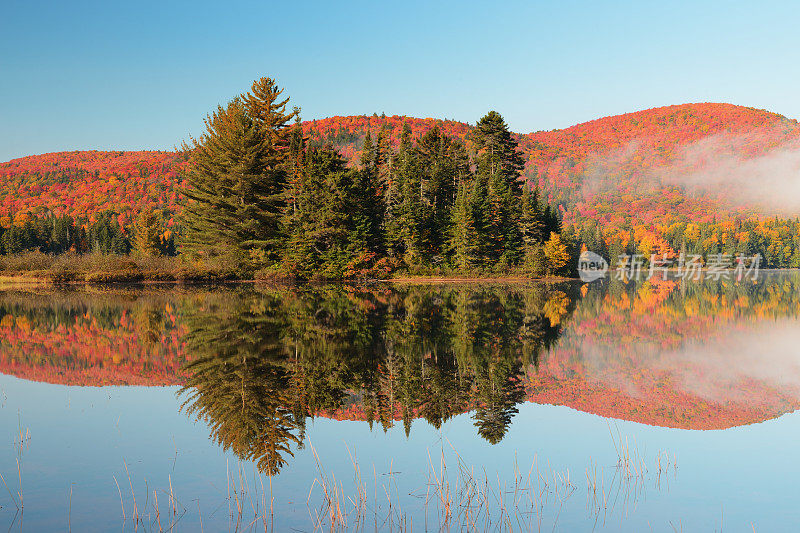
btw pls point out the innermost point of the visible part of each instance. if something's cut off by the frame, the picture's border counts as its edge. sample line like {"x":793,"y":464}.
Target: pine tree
{"x":497,"y":150}
{"x":495,"y":218}
{"x":407,"y":224}
{"x":105,"y":235}
{"x":297,"y":145}
{"x":499,"y":166}
{"x":441,"y":162}
{"x":532,"y":224}
{"x":367,"y":153}
{"x":319,"y":230}
{"x":338,"y":222}
{"x":237,"y":179}
{"x":464,"y":242}
{"x":394,"y":198}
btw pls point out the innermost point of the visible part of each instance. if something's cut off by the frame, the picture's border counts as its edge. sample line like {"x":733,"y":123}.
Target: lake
{"x":662,"y":405}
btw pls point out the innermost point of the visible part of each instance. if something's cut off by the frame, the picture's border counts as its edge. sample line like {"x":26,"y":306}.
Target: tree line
{"x":102,"y":233}
{"x":261,"y":200}
{"x":261,"y":197}
{"x":776,"y":240}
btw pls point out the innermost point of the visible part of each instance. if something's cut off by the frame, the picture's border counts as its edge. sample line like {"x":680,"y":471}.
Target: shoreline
{"x":35,"y":279}
{"x":24,"y":281}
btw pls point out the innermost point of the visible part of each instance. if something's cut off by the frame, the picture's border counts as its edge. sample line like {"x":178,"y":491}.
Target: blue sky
{"x":142,"y":75}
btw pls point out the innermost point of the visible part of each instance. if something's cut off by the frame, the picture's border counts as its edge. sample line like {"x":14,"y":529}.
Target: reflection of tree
{"x":498,"y":392}
{"x":487,"y":327}
{"x":238,"y":383}
{"x":263,"y":361}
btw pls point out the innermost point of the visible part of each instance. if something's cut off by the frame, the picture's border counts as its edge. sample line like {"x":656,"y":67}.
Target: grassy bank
{"x":38,"y":268}
{"x":41,"y":268}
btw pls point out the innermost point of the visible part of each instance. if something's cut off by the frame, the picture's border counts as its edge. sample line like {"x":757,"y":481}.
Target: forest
{"x":260,"y":200}
{"x":375,"y":196}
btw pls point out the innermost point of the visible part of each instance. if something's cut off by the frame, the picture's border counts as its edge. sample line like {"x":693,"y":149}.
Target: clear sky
{"x":142,"y":75}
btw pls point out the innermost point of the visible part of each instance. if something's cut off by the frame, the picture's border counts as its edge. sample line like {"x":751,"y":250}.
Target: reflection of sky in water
{"x":742,"y":478}
{"x":81,"y":436}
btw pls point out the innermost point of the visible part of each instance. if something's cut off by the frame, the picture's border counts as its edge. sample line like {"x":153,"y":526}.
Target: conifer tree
{"x":464,"y":241}
{"x":297,"y":144}
{"x":499,"y":165}
{"x":497,"y":150}
{"x":409,"y":213}
{"x":319,"y":231}
{"x":532,"y":224}
{"x":394,"y":198}
{"x":440,"y":163}
{"x":105,"y":235}
{"x":237,"y":179}
{"x":367,"y":153}
{"x":338,"y":223}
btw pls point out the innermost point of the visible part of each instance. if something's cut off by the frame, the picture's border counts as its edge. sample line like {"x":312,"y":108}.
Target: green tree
{"x":531,"y":224}
{"x":464,"y":240}
{"x":106,"y":236}
{"x":237,"y":179}
{"x":497,"y":151}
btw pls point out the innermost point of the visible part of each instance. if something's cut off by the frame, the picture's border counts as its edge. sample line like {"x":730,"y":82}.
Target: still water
{"x":664,"y":406}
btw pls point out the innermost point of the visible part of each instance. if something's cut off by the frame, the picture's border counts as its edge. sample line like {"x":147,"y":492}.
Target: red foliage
{"x":82,"y":183}
{"x":623,"y":147}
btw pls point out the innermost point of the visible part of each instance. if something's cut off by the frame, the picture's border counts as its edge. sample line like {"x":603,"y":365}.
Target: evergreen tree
{"x":338,"y":222}
{"x":237,"y":179}
{"x":64,"y":235}
{"x":499,"y":165}
{"x":394,"y":197}
{"x":497,"y":151}
{"x":297,"y":144}
{"x":410,"y":219}
{"x":464,"y":240}
{"x":105,"y":235}
{"x":367,"y":153}
{"x":441,"y":162}
{"x":532,"y":224}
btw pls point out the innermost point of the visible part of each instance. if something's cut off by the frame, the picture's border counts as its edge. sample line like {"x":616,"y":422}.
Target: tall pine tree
{"x":237,"y":179}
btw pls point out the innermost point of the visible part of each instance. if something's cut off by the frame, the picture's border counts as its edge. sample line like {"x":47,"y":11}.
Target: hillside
{"x":654,"y":167}
{"x":82,"y":183}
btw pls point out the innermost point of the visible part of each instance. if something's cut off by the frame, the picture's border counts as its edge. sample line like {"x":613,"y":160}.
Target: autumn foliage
{"x":599,"y":173}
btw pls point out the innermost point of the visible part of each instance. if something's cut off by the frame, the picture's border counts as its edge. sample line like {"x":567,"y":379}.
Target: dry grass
{"x":99,"y":268}
{"x":451,"y":496}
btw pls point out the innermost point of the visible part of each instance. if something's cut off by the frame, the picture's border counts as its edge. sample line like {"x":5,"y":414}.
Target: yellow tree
{"x":555,"y":251}
{"x":146,"y":233}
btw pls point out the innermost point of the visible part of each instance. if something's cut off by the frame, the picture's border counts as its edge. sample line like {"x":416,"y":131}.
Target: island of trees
{"x":262,"y":201}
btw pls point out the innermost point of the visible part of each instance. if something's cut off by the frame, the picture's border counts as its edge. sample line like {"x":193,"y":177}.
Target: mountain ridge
{"x":82,"y":183}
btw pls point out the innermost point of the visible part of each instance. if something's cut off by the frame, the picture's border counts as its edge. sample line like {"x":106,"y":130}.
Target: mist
{"x":727,"y":366}
{"x":730,"y":168}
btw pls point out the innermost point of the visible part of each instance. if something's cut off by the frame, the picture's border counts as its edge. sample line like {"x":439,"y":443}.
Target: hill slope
{"x":652,"y":167}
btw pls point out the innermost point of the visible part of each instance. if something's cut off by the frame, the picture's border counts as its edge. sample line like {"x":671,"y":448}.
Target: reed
{"x":453,"y":495}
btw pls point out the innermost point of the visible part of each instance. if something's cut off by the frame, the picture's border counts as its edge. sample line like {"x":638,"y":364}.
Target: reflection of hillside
{"x":91,"y":339}
{"x":698,"y":356}
{"x":257,"y":362}
{"x":666,"y":354}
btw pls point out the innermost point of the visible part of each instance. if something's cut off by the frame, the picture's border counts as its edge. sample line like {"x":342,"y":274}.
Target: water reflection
{"x":264,"y":361}
{"x":256,"y":362}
